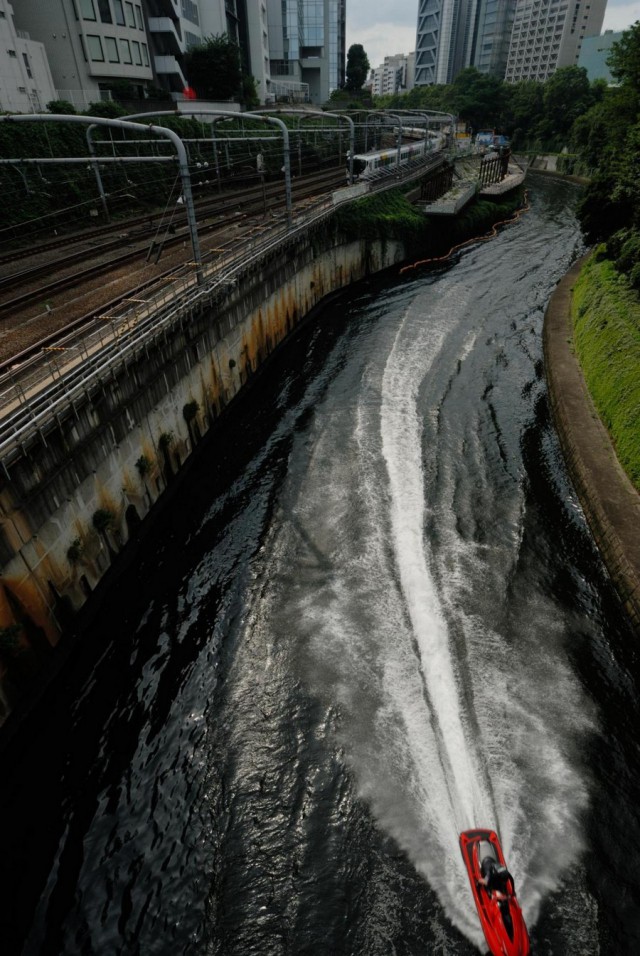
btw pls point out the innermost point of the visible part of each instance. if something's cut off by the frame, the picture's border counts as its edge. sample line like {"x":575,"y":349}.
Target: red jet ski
{"x":498,"y":908}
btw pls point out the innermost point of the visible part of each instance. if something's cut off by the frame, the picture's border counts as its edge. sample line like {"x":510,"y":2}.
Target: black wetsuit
{"x":497,"y":876}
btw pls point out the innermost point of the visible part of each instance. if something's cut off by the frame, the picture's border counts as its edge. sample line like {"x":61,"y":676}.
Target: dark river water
{"x":372,"y":616}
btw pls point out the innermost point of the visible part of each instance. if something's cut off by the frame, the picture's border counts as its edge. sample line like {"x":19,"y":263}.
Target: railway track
{"x":140,"y":234}
{"x":28,"y":323}
{"x":145,"y":224}
{"x":26,"y":340}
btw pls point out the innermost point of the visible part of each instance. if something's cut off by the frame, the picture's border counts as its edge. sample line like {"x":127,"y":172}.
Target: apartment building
{"x":26,"y":84}
{"x":307,"y":47}
{"x":548,"y":34}
{"x":90,"y":44}
{"x":393,"y":76}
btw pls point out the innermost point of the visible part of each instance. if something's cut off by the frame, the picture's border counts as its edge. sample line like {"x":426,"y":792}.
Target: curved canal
{"x":371,"y":617}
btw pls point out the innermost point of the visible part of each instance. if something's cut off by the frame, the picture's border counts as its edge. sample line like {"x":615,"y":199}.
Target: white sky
{"x":380,"y":36}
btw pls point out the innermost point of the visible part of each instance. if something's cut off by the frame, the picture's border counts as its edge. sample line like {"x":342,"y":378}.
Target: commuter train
{"x":416,"y":132}
{"x":368,"y":165}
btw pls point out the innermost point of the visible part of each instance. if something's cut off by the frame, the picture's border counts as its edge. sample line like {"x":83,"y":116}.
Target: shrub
{"x":102,"y":519}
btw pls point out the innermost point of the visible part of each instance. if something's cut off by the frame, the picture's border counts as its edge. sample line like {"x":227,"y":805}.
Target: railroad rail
{"x":43,"y":384}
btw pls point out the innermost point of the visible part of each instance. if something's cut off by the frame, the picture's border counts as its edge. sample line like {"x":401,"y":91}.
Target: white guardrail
{"x":36,"y":393}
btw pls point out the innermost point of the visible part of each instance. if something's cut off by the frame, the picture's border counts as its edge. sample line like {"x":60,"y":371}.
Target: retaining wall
{"x":610,"y":502}
{"x":71,"y":501}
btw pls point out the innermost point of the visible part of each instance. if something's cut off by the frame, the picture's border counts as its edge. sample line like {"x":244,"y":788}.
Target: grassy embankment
{"x":606,"y":322}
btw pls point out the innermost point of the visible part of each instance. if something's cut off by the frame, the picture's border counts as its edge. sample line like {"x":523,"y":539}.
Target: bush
{"x":61,"y":107}
{"x":102,"y":519}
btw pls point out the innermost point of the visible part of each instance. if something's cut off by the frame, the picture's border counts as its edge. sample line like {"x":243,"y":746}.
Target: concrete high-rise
{"x":548,"y":34}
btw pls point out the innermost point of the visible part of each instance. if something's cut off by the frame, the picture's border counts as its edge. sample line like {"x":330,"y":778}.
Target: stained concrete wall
{"x":112,"y":456}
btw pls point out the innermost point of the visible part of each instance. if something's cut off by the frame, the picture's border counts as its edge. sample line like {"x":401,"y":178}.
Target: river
{"x":371,"y":616}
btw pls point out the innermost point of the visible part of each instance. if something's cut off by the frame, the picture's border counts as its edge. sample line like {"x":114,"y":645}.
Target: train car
{"x":370,"y":165}
{"x":437,"y":140}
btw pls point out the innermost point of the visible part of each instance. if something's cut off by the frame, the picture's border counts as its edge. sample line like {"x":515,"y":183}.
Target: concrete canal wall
{"x":71,"y":499}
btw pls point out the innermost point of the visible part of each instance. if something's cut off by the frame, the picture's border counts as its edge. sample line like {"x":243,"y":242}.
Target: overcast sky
{"x":381,"y":35}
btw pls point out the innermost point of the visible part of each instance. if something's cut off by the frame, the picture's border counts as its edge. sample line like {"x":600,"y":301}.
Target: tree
{"x":567,"y":95}
{"x":624,"y":58}
{"x":523,"y":110}
{"x":477,"y":98}
{"x":213,"y":68}
{"x":357,"y":68}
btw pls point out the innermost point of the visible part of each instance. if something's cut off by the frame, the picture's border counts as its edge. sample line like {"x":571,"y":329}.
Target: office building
{"x":175,"y":27}
{"x":594,"y":54}
{"x":492,"y":35}
{"x":549,"y":35}
{"x":444,"y":39}
{"x":306,"y":47}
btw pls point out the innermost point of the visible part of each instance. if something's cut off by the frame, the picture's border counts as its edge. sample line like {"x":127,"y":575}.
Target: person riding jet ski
{"x":496,"y":878}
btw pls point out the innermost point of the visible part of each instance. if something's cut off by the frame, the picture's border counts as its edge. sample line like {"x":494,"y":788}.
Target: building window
{"x":190,"y":11}
{"x":105,"y":11}
{"x":112,"y":49}
{"x":131,"y":17}
{"x":27,"y":66}
{"x":117,"y":5}
{"x":125,"y":50}
{"x":139,"y":17}
{"x":145,"y":54}
{"x":11,"y":53}
{"x":87,"y":10}
{"x":94,"y":46}
{"x":137,"y":58}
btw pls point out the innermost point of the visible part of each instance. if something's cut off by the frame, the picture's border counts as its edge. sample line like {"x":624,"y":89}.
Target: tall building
{"x":175,"y":27}
{"x":90,"y":44}
{"x":491,"y":36}
{"x":594,"y":54}
{"x":444,"y":39}
{"x":307,"y":46}
{"x":26,"y":84}
{"x":548,"y":34}
{"x":393,"y":76}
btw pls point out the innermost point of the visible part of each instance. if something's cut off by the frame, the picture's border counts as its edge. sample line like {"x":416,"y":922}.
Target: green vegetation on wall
{"x":390,"y":215}
{"x":606,"y":319}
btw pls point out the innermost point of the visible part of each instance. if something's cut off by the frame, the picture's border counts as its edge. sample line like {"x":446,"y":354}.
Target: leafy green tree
{"x":250,"y":96}
{"x":357,"y":68}
{"x":600,"y":134}
{"x":567,"y":94}
{"x":476,"y":97}
{"x":624,"y":58}
{"x":213,"y":68}
{"x":523,"y":111}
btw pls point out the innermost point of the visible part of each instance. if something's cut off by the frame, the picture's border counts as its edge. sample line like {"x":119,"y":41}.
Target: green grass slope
{"x":606,"y":322}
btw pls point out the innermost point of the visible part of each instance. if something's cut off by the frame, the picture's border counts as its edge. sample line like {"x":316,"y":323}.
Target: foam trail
{"x":401,"y":445}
